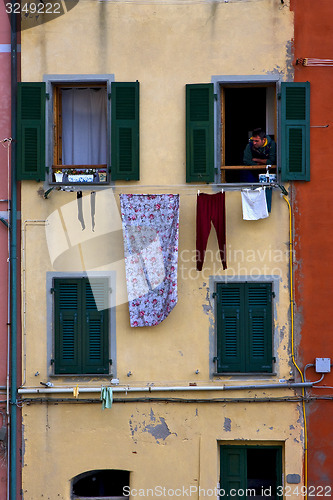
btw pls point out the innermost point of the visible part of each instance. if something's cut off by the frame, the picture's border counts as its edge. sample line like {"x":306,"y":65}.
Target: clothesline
{"x":195,"y":187}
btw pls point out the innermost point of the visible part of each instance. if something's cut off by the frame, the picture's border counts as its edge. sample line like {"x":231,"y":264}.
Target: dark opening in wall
{"x":100,"y":484}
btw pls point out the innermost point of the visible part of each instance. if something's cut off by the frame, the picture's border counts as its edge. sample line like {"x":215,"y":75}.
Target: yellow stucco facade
{"x":168,"y":438}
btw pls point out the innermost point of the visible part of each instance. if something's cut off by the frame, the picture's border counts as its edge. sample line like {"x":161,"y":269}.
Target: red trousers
{"x":210,"y":208}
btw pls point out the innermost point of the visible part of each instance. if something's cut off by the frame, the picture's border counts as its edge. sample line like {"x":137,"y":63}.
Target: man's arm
{"x":272,"y":154}
{"x":247,"y":157}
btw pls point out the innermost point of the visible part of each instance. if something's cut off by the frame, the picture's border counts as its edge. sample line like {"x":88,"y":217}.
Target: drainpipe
{"x":63,"y":390}
{"x":13,"y":267}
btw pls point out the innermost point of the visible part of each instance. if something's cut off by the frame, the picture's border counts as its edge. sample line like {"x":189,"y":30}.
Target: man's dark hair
{"x":259,"y":132}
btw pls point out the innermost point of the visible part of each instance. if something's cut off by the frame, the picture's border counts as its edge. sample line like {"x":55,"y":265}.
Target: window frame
{"x":213,"y":335}
{"x":111,"y":331}
{"x":57,"y":125}
{"x":53,"y":82}
{"x":225,"y":448}
{"x":221,"y":82}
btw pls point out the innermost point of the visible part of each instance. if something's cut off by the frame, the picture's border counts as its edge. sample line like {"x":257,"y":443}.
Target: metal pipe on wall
{"x":13,"y":267}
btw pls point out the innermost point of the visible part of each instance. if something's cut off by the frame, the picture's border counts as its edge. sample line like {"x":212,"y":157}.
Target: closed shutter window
{"x":81,"y":321}
{"x":244,"y":327}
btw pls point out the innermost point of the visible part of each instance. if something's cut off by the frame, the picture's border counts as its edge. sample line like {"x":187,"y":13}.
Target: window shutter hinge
{"x":47,"y":170}
{"x":215,"y":358}
{"x":274,"y":359}
{"x":215,"y":97}
{"x":110,"y":361}
{"x":47,"y":95}
{"x":109,"y":170}
{"x":273,"y":295}
{"x":279,"y":95}
{"x":52,"y":361}
{"x":214,"y":294}
{"x":52,"y":290}
{"x":109,"y":96}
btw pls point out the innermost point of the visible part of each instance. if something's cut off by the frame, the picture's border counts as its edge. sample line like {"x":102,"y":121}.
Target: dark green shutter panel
{"x":95,"y":357}
{"x":295,"y":131}
{"x":244,"y":327}
{"x":259,"y":327}
{"x":230,"y":352}
{"x":125,"y":131}
{"x":31,"y":131}
{"x":81,"y":325}
{"x":200,"y":133}
{"x":67,"y":326}
{"x":233,"y":470}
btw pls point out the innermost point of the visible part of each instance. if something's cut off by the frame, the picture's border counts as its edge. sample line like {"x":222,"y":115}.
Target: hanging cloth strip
{"x":106,"y":397}
{"x":210,"y":208}
{"x":254,"y":204}
{"x":150,"y":230}
{"x":79,"y":209}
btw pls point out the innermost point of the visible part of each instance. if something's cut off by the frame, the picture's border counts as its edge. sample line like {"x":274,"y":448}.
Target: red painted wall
{"x":313,"y":218}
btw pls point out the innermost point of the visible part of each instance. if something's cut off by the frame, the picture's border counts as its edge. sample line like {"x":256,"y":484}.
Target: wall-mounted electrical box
{"x":323,"y":365}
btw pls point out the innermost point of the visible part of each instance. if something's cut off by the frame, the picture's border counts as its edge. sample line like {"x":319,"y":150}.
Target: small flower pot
{"x":58,"y":177}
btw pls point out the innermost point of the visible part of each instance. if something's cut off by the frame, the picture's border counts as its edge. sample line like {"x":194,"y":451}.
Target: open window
{"x":80,"y":145}
{"x":78,"y":130}
{"x":245,"y":107}
{"x":221,"y":116}
{"x":251,"y":471}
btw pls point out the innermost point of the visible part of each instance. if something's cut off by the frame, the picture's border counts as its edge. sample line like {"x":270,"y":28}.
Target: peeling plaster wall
{"x":162,"y":444}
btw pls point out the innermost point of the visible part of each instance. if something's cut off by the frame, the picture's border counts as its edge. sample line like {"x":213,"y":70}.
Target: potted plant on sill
{"x":82,"y":175}
{"x":58,"y":174}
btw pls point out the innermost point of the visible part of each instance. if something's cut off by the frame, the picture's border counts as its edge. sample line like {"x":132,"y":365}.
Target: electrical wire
{"x":292,"y":347}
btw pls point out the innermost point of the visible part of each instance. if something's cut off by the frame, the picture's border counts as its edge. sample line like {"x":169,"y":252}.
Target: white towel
{"x":254,"y":204}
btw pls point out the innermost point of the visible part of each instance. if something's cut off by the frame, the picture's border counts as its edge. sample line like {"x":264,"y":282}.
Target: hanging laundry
{"x":79,"y":209}
{"x":92,"y":209}
{"x":106,"y":397}
{"x":254,"y":204}
{"x":271,"y":178}
{"x":210,"y":209}
{"x":150,"y":231}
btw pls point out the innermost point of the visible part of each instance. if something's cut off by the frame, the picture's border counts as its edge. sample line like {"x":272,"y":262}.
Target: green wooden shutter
{"x":230,"y":325}
{"x":67,"y":325}
{"x":258,"y":338}
{"x":233,"y":470}
{"x":95,"y":346}
{"x":81,"y":324}
{"x":200,"y":133}
{"x":125,"y":131}
{"x":31,"y":131}
{"x":295,"y":131}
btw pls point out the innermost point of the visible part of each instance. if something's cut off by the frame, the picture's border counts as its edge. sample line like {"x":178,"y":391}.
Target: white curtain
{"x":84,"y":126}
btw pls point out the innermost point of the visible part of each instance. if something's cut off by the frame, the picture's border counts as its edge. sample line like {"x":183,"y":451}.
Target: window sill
{"x":245,"y":374}
{"x":81,"y":376}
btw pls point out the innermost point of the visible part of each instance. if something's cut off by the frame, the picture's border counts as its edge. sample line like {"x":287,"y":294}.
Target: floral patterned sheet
{"x":150,"y":229}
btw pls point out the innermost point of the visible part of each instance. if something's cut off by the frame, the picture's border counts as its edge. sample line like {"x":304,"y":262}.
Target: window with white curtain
{"x":80,"y":132}
{"x":84,"y":126}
